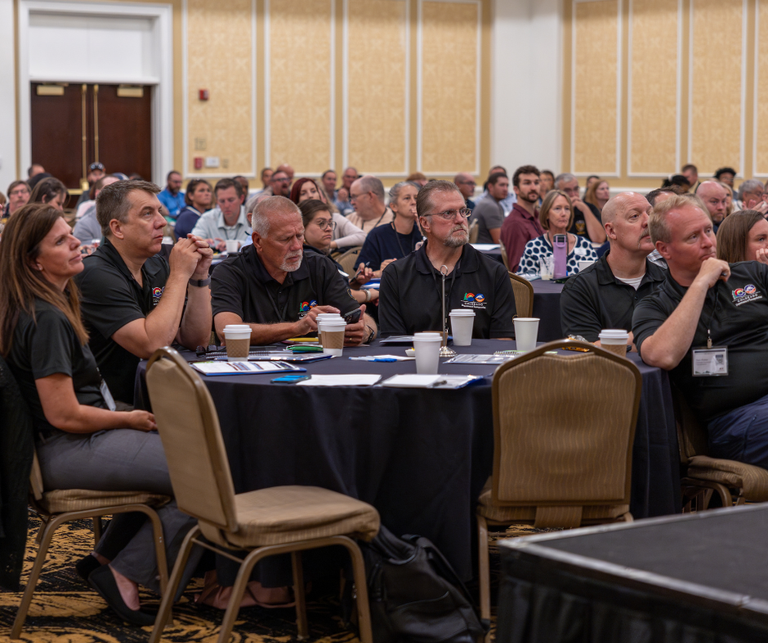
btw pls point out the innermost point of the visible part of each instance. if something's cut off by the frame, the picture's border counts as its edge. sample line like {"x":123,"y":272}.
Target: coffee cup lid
{"x":456,"y":312}
{"x":239,"y":328}
{"x":526,"y":319}
{"x":613,"y":333}
{"x":428,"y":337}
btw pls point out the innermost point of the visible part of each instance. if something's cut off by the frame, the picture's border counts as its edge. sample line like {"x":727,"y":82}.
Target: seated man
{"x":522,"y":225}
{"x":586,"y":217}
{"x":488,"y":211}
{"x":367,"y":197}
{"x":605,"y":294}
{"x":132,"y":301}
{"x":706,"y":325}
{"x":410,"y":294}
{"x":715,"y":198}
{"x":277,"y":289}
{"x":227,"y":221}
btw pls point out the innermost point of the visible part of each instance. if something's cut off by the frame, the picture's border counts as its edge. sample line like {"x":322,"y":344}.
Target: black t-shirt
{"x":112,"y":298}
{"x":411,"y":293}
{"x":595,"y":299}
{"x":736,"y":313}
{"x":579,"y":224}
{"x":48,"y":345}
{"x":242,"y":285}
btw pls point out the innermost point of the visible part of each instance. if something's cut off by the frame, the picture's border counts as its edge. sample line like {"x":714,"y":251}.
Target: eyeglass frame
{"x":331,"y":224}
{"x":465,"y":213}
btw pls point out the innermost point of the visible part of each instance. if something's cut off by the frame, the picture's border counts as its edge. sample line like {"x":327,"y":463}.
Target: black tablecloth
{"x":694,"y":578}
{"x":419,"y":456}
{"x":546,"y":306}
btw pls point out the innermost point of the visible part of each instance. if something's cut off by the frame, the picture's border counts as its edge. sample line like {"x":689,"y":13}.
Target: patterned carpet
{"x":65,"y":610}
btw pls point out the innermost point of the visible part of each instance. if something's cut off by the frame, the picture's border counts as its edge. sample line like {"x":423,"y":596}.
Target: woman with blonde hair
{"x":598,"y":194}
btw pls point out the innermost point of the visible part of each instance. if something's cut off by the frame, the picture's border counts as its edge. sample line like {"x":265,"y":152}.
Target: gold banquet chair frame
{"x":735,"y":482}
{"x":564,"y":427}
{"x":523,"y":292}
{"x":347,"y":260}
{"x":265,"y":522}
{"x":65,"y":505}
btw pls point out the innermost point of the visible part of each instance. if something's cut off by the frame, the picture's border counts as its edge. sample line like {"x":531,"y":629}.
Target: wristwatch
{"x":200,"y":283}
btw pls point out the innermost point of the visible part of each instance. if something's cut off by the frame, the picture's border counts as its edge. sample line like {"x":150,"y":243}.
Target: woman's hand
{"x":141,"y":421}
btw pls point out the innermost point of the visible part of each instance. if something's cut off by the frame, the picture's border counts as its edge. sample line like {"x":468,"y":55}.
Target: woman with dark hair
{"x":199,"y":197}
{"x":345,"y":233}
{"x":82,"y":441}
{"x":50,"y":191}
{"x":743,"y":236}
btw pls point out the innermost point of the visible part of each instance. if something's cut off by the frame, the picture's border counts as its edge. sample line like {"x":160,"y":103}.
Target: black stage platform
{"x":697,"y":578}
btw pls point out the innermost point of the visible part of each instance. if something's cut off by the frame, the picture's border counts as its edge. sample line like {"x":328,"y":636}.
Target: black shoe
{"x":86,"y":565}
{"x":104,"y":583}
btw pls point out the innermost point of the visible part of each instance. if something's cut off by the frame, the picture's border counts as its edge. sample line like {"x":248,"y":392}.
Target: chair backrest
{"x":504,"y":257}
{"x":523,"y":291}
{"x":348,"y":260}
{"x":691,"y":435}
{"x":563,"y":428}
{"x":474,"y":231}
{"x":189,"y":428}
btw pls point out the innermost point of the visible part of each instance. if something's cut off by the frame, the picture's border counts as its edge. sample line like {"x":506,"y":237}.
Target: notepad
{"x":353,"y":379}
{"x":431,"y":381}
{"x":243,"y":368}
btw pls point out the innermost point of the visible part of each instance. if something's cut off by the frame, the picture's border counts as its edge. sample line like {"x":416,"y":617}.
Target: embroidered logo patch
{"x":157,"y":292}
{"x":746,"y":294}
{"x":306,"y":306}
{"x":472,"y":300}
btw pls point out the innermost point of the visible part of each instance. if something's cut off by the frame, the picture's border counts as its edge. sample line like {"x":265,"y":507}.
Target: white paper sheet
{"x":354,"y":379}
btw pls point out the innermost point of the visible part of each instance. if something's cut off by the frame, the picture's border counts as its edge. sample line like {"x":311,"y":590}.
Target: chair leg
{"x":161,"y":559}
{"x":45,"y":542}
{"x":97,"y":531}
{"x":725,"y":495}
{"x":361,"y":590}
{"x":166,"y":604}
{"x":238,"y":590}
{"x":484,"y":568}
{"x":298,"y":590}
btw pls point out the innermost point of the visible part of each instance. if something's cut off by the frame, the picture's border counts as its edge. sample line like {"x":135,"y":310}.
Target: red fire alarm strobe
{"x":203,"y":94}
{"x":198,"y":162}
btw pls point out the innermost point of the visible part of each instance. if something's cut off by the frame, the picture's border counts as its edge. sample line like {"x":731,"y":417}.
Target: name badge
{"x":110,"y":401}
{"x":710,"y":362}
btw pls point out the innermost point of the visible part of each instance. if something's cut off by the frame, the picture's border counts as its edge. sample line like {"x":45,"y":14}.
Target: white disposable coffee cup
{"x":331,"y":333}
{"x":614,"y":340}
{"x":584,"y":264}
{"x":238,"y":339}
{"x":232,"y":246}
{"x":526,"y":333}
{"x":427,"y":347}
{"x":462,"y":323}
{"x":325,"y":316}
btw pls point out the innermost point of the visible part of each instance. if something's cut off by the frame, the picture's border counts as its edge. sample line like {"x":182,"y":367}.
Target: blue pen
{"x":385,"y":359}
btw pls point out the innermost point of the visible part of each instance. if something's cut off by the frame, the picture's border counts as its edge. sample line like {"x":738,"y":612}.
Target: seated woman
{"x":743,"y":236}
{"x":345,"y":233}
{"x":598,"y":194}
{"x":51,"y":191}
{"x":318,"y":230}
{"x":388,"y":243}
{"x":198,"y":198}
{"x":82,"y":441}
{"x":556,"y":217}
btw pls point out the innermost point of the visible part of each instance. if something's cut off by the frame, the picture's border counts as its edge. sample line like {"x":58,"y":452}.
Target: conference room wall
{"x":649,"y":85}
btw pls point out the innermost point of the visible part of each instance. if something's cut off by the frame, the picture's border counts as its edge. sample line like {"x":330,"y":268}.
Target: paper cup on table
{"x":331,"y":333}
{"x":526,"y":333}
{"x":427,"y":347}
{"x":462,"y":323}
{"x":614,"y":340}
{"x":232,"y":246}
{"x":238,"y":339}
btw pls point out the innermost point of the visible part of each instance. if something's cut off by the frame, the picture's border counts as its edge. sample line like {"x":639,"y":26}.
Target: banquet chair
{"x":563,"y":432}
{"x":734,"y":482}
{"x":504,"y":256}
{"x":348,"y":260}
{"x":264,"y":522}
{"x":523,"y":291}
{"x":474,"y":231}
{"x":55,"y":507}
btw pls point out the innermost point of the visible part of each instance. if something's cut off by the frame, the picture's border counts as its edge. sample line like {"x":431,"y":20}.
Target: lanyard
{"x":280,"y":316}
{"x":712,"y":316}
{"x":399,"y":245}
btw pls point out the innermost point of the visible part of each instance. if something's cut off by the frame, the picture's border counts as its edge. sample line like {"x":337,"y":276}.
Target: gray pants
{"x":119,"y":460}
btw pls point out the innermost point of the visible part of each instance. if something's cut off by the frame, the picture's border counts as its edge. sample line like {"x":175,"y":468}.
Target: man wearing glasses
{"x":280,"y":184}
{"x":411,"y":288}
{"x":367,"y":197}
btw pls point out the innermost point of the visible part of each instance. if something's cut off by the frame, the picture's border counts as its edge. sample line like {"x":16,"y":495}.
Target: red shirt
{"x":518,"y":229}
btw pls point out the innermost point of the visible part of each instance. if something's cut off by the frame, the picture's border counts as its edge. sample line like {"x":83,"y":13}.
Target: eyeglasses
{"x":18,"y":192}
{"x":466,"y":183}
{"x":352,"y":197}
{"x":325,"y":224}
{"x":285,"y":180}
{"x":447,"y":215}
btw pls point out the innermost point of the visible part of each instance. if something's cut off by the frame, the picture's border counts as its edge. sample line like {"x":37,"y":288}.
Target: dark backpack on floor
{"x":414,"y":594}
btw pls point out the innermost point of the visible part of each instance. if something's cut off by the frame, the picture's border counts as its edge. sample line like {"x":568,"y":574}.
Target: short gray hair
{"x":370,"y":183}
{"x":113,"y":203}
{"x":565,"y":177}
{"x":424,"y":198}
{"x":394,"y":191}
{"x":270,"y":205}
{"x":749,"y":186}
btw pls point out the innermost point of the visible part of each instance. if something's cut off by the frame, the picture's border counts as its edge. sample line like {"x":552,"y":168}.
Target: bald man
{"x":604,"y":295}
{"x":466,"y":184}
{"x":715,"y":197}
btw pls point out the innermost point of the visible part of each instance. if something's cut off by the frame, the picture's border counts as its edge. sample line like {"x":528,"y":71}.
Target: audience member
{"x":367,"y":197}
{"x":591,"y":179}
{"x":18,"y":196}
{"x":329,"y":183}
{"x":418,"y":178}
{"x":388,"y":243}
{"x":556,"y":217}
{"x":604,"y":295}
{"x":488,"y":212}
{"x":36,"y":179}
{"x":522,"y":224}
{"x":88,"y":229}
{"x":598,"y":193}
{"x":172,"y":196}
{"x":272,"y":286}
{"x":586,"y":217}
{"x":715,"y":198}
{"x":50,"y":191}
{"x":678,"y":183}
{"x":726,"y":175}
{"x":348,"y":177}
{"x":34,"y":170}
{"x":134,"y":302}
{"x":198,"y":200}
{"x":266,"y":176}
{"x":466,"y":184}
{"x":506,"y":204}
{"x":691,"y":174}
{"x":410,"y":295}
{"x":81,"y":440}
{"x":279,"y":184}
{"x":245,"y":187}
{"x":288,"y":170}
{"x":751,"y":196}
{"x":547,"y":179}
{"x":225,"y":222}
{"x":743,"y":236}
{"x":342,"y":202}
{"x":95,"y":172}
{"x":706,"y":302}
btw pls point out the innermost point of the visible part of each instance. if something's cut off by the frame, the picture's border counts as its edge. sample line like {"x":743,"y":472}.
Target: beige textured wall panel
{"x":377,"y":110}
{"x":300,"y":84}
{"x":595,"y":86}
{"x":716,"y":84}
{"x":653,"y":104}
{"x":220,"y":59}
{"x":449,"y":87}
{"x":761,"y":133}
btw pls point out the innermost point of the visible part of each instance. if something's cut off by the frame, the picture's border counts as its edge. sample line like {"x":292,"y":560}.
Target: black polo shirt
{"x":411,"y":293}
{"x":594,"y":299}
{"x":242,"y":285}
{"x":110,"y":299}
{"x":736,"y":312}
{"x":579,"y":225}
